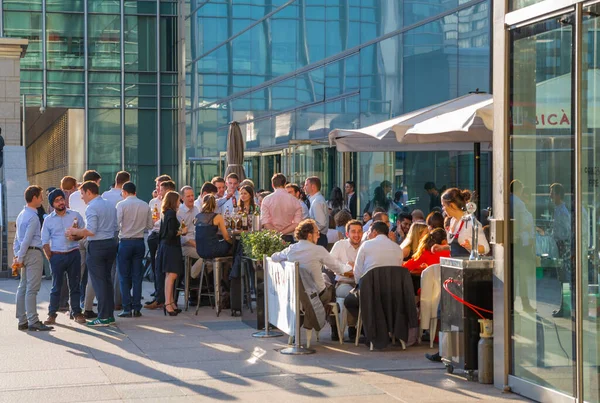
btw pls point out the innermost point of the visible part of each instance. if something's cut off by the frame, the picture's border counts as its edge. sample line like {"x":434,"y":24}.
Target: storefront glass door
{"x":542,"y":203}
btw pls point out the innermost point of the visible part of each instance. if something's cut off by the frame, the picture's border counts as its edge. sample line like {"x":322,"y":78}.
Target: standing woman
{"x":169,"y":257}
{"x":247,"y":203}
{"x":459,"y":231}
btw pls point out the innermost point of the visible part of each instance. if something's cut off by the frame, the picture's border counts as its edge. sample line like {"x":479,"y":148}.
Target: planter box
{"x":253,"y":289}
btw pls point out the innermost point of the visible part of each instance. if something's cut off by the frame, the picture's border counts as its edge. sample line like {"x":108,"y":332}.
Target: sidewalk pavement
{"x":188,"y":358}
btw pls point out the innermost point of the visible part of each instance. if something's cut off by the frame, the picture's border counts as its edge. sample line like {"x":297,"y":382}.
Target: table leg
{"x":217,"y":278}
{"x":187,"y":283}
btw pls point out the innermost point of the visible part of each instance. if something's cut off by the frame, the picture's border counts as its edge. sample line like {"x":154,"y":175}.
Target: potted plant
{"x":256,"y":245}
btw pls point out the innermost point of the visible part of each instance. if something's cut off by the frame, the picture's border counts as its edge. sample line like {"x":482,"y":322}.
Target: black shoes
{"x":39,"y":327}
{"x":23,"y":326}
{"x":150,"y":302}
{"x":434,"y":357}
{"x":137,"y":314}
{"x":125,"y":314}
{"x":90,"y":314}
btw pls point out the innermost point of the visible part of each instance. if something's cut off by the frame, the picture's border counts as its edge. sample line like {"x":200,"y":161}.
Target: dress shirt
{"x":53,"y":231}
{"x":113,"y":196}
{"x":310,"y":257}
{"x":367,"y":226}
{"x":224,"y":203}
{"x":319,"y":212}
{"x":377,"y":252}
{"x":280,"y":209}
{"x":156,"y":202}
{"x":133,"y":217}
{"x":561,"y":226}
{"x":466,"y":234}
{"x":101,"y":219}
{"x":76,"y":203}
{"x":28,"y":233}
{"x":522,"y":220}
{"x":188,"y":215}
{"x":198,"y":203}
{"x":305,"y":213}
{"x":344,"y":252}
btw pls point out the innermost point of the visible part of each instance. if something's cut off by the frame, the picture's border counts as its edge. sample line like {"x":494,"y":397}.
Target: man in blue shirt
{"x":63,"y":254}
{"x":561,"y":232}
{"x":100,"y":228}
{"x":28,"y":257}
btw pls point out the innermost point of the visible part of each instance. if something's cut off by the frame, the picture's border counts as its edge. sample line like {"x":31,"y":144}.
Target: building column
{"x":14,"y":171}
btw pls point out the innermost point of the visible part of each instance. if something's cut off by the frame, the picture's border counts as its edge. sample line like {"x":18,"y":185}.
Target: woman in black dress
{"x":169,"y":256}
{"x":208,"y":224}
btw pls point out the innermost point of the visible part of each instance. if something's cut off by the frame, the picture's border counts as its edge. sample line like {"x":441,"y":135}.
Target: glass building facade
{"x":291,"y":71}
{"x":118,"y":62}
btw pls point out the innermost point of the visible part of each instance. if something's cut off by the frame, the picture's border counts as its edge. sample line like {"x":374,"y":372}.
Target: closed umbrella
{"x":235,"y":151}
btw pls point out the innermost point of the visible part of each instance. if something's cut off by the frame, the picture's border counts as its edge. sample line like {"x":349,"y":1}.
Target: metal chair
{"x":217,"y":264}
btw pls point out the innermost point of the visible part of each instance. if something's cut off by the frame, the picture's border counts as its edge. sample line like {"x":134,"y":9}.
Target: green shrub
{"x":259,"y":243}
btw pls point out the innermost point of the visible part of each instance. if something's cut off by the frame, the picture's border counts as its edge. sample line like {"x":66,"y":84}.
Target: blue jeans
{"x":131,"y":271}
{"x":71,"y":265}
{"x":99,"y":260}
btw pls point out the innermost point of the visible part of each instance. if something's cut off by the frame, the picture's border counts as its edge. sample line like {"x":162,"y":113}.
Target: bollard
{"x":485,"y":352}
{"x":297,"y":348}
{"x":263,"y":334}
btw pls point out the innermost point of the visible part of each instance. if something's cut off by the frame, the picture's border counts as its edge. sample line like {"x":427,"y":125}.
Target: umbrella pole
{"x":477,"y":179}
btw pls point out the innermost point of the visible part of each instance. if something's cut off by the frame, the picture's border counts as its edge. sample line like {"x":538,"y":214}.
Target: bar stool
{"x":188,"y":262}
{"x":217,"y":264}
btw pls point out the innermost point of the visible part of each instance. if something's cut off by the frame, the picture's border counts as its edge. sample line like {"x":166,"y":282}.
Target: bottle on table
{"x":227,"y":218}
{"x":244,"y":221}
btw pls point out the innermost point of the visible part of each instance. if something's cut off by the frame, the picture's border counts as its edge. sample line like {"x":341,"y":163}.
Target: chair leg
{"x":358,"y":327}
{"x":200,"y":288}
{"x":308,"y":337}
{"x":403,"y":344}
{"x":432,"y":330}
{"x":339,"y":325}
{"x":371,"y":349}
{"x":290,"y":340}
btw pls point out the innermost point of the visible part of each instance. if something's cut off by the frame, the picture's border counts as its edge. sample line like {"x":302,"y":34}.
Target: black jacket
{"x":387,"y":301}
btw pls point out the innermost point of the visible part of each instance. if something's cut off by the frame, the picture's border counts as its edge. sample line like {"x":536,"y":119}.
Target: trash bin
{"x":470,"y":280}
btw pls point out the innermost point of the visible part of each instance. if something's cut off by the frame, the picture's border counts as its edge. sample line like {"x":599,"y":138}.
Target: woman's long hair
{"x":209,"y":204}
{"x":251,"y":203}
{"x":435,"y":237}
{"x":413,"y":238}
{"x":170,"y":201}
{"x":336,"y":199}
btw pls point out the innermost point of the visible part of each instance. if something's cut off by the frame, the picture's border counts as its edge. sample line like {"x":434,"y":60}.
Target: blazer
{"x":387,"y":303}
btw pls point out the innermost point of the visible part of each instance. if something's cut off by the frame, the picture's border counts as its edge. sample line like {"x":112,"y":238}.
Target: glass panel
{"x":140,"y":137}
{"x":64,"y":36}
{"x":590,"y":188}
{"x":34,"y":5}
{"x":374,"y":168}
{"x":64,"y":5}
{"x":517,"y":4}
{"x":542,"y":203}
{"x":140,"y":7}
{"x":104,"y":42}
{"x":27,"y":26}
{"x":104,"y":143}
{"x":104,"y":6}
{"x":140,"y":43}
{"x":168,"y":37}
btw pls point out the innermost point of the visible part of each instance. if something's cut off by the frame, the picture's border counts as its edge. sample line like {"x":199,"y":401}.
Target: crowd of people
{"x":96,"y":243}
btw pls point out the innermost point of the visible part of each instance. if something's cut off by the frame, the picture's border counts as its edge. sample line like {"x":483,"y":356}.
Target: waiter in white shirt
{"x":76,"y":203}
{"x":378,"y":251}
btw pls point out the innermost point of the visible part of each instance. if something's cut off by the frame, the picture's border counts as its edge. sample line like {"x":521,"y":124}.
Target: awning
{"x":453,"y":125}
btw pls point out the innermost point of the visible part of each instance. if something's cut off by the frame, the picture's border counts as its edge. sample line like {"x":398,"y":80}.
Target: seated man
{"x":377,"y":251}
{"x":386,"y":219}
{"x":311,"y":257}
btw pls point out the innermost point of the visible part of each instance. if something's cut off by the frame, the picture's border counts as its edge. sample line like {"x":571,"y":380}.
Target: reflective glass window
{"x":140,"y":43}
{"x":64,"y":5}
{"x":104,"y":41}
{"x":140,"y":137}
{"x":104,"y":128}
{"x":474,"y":49}
{"x":34,"y":5}
{"x":64,"y":41}
{"x":104,"y":6}
{"x":27,"y":26}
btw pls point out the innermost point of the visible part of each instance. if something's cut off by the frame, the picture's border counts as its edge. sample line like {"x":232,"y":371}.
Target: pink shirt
{"x":280,"y":209}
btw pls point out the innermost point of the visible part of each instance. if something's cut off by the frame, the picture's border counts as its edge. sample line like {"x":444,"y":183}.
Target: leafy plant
{"x":259,"y":243}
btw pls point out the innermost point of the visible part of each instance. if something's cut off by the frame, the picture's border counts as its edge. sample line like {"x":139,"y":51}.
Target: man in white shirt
{"x":133,"y":219}
{"x":187,"y":214}
{"x":318,"y":210}
{"x":311,"y":258}
{"x":207,"y":188}
{"x":386,"y":219}
{"x":114,"y":196}
{"x":232,"y":197}
{"x":155,"y":208}
{"x":76,"y":203}
{"x":294,"y":190}
{"x":378,"y":251}
{"x":221,"y":186}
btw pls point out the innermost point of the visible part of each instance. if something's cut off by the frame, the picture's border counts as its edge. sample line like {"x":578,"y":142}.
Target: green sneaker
{"x":98,"y":322}
{"x":111,"y":320}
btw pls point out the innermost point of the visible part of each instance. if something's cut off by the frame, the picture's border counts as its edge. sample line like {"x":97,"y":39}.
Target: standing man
{"x":186,"y":214}
{"x":63,"y":254}
{"x":221,"y":186}
{"x":350,"y":198}
{"x":561,"y":232}
{"x":280,"y":211}
{"x":77,"y":204}
{"x":206,"y":188}
{"x":28,"y":257}
{"x":435,"y":199}
{"x":153,"y":236}
{"x":68,"y":185}
{"x":231,"y":197}
{"x":100,"y":228}
{"x":114,"y":196}
{"x":318,"y":207}
{"x":159,"y":276}
{"x":295,"y":191}
{"x":133,"y":218}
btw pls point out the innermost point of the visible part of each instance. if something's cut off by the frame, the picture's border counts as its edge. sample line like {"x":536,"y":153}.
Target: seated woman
{"x":411,"y":243}
{"x":208,"y":224}
{"x":247,"y":203}
{"x":424,"y":257}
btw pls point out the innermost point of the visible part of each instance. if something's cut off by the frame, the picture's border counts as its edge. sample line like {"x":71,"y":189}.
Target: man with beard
{"x":62,"y":252}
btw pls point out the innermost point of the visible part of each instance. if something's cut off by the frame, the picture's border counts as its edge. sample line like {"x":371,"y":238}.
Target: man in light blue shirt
{"x":63,"y":254}
{"x":27,"y":250}
{"x":318,"y":210}
{"x":101,"y":225}
{"x":231,"y":197}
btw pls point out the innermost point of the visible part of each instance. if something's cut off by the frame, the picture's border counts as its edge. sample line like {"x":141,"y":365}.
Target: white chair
{"x":335,"y":313}
{"x":343,"y":315}
{"x":431,"y":291}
